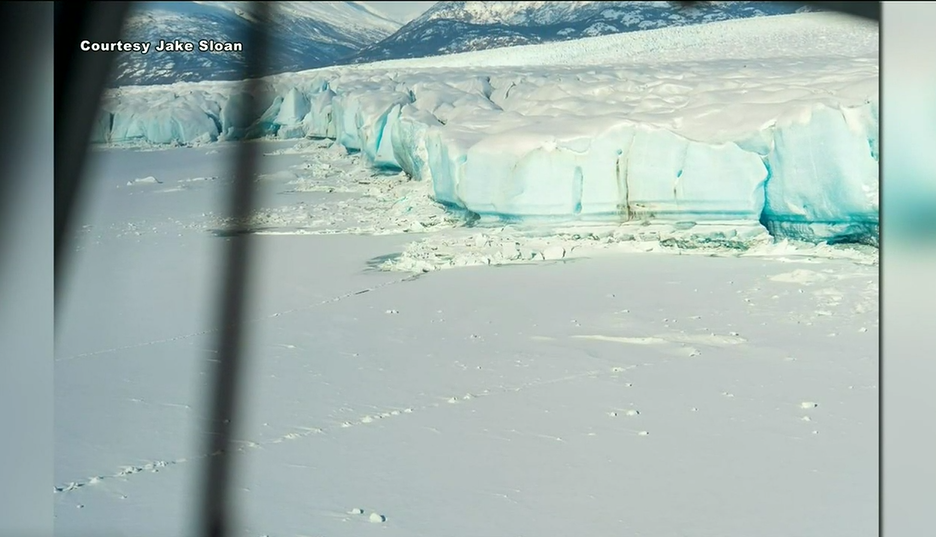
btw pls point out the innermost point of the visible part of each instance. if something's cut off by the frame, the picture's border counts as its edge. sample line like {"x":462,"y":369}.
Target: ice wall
{"x":582,"y":143}
{"x":824,"y":175}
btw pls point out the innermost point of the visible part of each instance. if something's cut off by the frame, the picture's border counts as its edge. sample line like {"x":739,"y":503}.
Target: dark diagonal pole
{"x":216,"y":488}
{"x":80,"y":79}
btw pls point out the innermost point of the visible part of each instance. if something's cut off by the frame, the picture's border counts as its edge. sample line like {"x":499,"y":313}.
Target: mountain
{"x":451,"y":27}
{"x":305,"y":35}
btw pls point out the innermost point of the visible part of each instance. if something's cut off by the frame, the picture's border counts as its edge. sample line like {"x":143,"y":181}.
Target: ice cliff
{"x":791,"y":142}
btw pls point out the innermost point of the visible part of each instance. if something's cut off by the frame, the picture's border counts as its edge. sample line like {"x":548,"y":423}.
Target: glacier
{"x":772,"y":120}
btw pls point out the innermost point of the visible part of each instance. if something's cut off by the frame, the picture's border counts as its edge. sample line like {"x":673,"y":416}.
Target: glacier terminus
{"x":771,"y":120}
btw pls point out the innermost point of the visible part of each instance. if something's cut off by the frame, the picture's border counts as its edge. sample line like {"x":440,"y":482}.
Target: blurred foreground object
{"x":908,"y":219}
{"x":26,"y":277}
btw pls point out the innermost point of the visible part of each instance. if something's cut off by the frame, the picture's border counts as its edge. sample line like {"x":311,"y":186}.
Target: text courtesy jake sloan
{"x":144,"y":47}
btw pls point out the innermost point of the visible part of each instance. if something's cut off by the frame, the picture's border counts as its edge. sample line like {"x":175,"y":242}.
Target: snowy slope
{"x":450,"y":27}
{"x":305,"y":35}
{"x":771,"y":119}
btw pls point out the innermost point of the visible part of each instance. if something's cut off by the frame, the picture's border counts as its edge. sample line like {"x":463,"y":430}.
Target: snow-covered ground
{"x":612,"y":391}
{"x":572,"y":376}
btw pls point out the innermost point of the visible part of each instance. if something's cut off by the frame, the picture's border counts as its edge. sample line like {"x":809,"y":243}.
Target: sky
{"x":401,"y":11}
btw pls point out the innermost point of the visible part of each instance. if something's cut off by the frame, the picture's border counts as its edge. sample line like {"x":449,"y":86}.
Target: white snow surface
{"x":772,"y":119}
{"x":597,"y":382}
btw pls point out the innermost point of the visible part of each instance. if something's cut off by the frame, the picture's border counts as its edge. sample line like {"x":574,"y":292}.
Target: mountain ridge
{"x":305,"y":35}
{"x":452,"y":27}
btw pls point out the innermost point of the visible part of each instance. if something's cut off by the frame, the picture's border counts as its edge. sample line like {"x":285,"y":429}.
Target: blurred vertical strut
{"x":80,"y":78}
{"x":236,"y":265}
